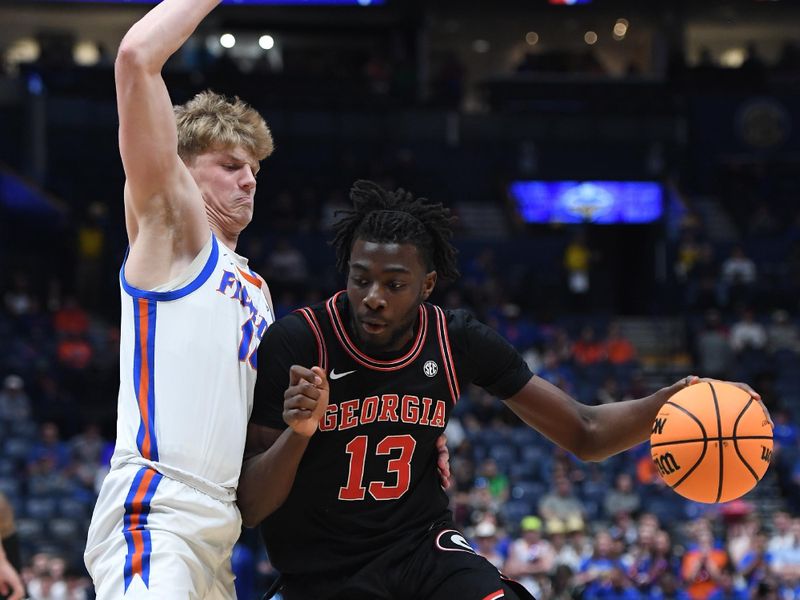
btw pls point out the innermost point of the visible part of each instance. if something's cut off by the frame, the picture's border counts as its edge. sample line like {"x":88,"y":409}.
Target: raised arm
{"x":162,"y":200}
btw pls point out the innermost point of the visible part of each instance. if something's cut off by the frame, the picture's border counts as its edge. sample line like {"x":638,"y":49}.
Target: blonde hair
{"x":210,"y":121}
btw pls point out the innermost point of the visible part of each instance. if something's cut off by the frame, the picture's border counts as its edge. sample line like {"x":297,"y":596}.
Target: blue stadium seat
{"x":72,"y":508}
{"x":61,"y":529}
{"x":41,"y":508}
{"x":514,"y":510}
{"x":29,"y":530}
{"x":17,"y":447}
{"x":9,"y":487}
{"x":529,"y":491}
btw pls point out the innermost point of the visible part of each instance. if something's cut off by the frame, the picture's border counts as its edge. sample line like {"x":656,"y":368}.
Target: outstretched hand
{"x":694,"y":379}
{"x":306,"y":399}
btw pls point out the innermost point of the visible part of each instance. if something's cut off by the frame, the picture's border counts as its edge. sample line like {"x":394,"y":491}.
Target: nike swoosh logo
{"x":335,"y":375}
{"x":460,"y":541}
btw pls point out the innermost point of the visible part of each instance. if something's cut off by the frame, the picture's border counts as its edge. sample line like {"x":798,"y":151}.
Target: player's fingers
{"x":303,"y":388}
{"x":300,"y":401}
{"x":296,"y":414}
{"x":741,"y":385}
{"x":298,"y":373}
{"x":321,"y":377}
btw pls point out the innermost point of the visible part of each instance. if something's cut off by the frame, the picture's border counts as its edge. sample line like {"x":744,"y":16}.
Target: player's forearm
{"x":616,"y":427}
{"x":267,"y":478}
{"x":158,"y":35}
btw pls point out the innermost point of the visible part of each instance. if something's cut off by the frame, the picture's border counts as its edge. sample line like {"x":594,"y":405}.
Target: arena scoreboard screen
{"x":600,"y":202}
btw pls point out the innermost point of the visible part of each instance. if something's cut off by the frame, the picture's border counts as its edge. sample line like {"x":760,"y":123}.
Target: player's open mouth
{"x":373,"y":327}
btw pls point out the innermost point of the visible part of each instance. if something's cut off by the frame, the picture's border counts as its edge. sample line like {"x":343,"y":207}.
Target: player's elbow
{"x":132,"y":57}
{"x":587,"y":446}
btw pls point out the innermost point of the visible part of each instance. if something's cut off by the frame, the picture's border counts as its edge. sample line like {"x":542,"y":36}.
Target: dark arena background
{"x":626,"y":178}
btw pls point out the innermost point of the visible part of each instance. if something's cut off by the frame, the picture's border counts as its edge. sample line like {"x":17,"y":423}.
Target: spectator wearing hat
{"x":486,"y":542}
{"x":531,"y":557}
{"x":564,"y":552}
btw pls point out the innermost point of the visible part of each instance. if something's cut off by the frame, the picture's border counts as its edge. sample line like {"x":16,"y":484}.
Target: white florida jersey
{"x":188,"y":369}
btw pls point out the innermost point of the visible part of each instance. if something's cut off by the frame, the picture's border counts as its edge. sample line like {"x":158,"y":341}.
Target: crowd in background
{"x":566,"y":529}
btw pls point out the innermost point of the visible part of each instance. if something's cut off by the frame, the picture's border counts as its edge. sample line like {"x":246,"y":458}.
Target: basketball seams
{"x":719,"y":440}
{"x":737,"y":421}
{"x":724,"y":439}
{"x":704,"y":440}
{"x":736,"y":443}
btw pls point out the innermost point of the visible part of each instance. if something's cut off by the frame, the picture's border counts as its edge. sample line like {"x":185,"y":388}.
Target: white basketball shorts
{"x":154,"y":537}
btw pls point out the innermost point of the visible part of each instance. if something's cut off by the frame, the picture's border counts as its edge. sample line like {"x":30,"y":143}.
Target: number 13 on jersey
{"x":399,"y":466}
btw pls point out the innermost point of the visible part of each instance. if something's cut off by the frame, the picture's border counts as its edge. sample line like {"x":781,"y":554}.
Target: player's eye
{"x":396,"y":285}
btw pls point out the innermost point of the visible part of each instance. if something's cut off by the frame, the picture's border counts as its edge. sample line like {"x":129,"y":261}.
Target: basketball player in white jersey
{"x":193,"y":314}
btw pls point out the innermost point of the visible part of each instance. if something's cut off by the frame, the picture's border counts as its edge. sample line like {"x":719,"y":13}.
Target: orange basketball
{"x":711,"y":442}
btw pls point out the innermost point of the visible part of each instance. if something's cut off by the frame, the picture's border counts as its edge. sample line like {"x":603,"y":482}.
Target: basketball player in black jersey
{"x":366,"y":382}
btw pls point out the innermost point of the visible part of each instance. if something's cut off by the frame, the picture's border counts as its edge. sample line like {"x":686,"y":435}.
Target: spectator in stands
{"x":782,"y":536}
{"x":486,"y":542}
{"x":668,"y":588}
{"x":756,"y":562}
{"x":565,"y":554}
{"x":619,"y":349}
{"x":530,"y":557}
{"x":623,"y":497}
{"x":91,"y":241}
{"x":660,"y":560}
{"x":15,"y":405}
{"x":48,"y":449}
{"x":496,"y":480}
{"x":747,"y":333}
{"x":782,"y":333}
{"x":712,"y":347}
{"x":577,"y":263}
{"x":588,"y":350}
{"x":737,"y":278}
{"x":71,"y":319}
{"x":786,"y":560}
{"x":608,"y":392}
{"x":562,"y":584}
{"x":702,"y":565}
{"x":595,"y":571}
{"x":728,"y":589}
{"x":742,"y":528}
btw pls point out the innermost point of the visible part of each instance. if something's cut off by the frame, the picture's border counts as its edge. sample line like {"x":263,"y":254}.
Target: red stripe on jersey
{"x":447,"y":354}
{"x":494,"y":595}
{"x":322,"y":352}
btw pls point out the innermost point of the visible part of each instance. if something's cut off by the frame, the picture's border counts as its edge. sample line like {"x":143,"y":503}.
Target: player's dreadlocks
{"x":396,"y":217}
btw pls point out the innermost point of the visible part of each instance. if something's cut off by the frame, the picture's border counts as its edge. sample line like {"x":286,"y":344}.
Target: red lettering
{"x":410,"y":409}
{"x":426,"y":410}
{"x":348,"y":414}
{"x":328,"y":422}
{"x":438,"y":416}
{"x":389,"y":406}
{"x":369,"y":410}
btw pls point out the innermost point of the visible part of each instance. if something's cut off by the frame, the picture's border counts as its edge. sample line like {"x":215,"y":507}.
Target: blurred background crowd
{"x":698,"y":97}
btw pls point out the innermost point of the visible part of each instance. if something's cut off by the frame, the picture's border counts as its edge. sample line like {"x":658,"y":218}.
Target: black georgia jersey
{"x":368,"y":476}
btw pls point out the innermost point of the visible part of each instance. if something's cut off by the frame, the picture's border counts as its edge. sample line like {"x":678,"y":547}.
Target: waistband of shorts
{"x":203,"y":486}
